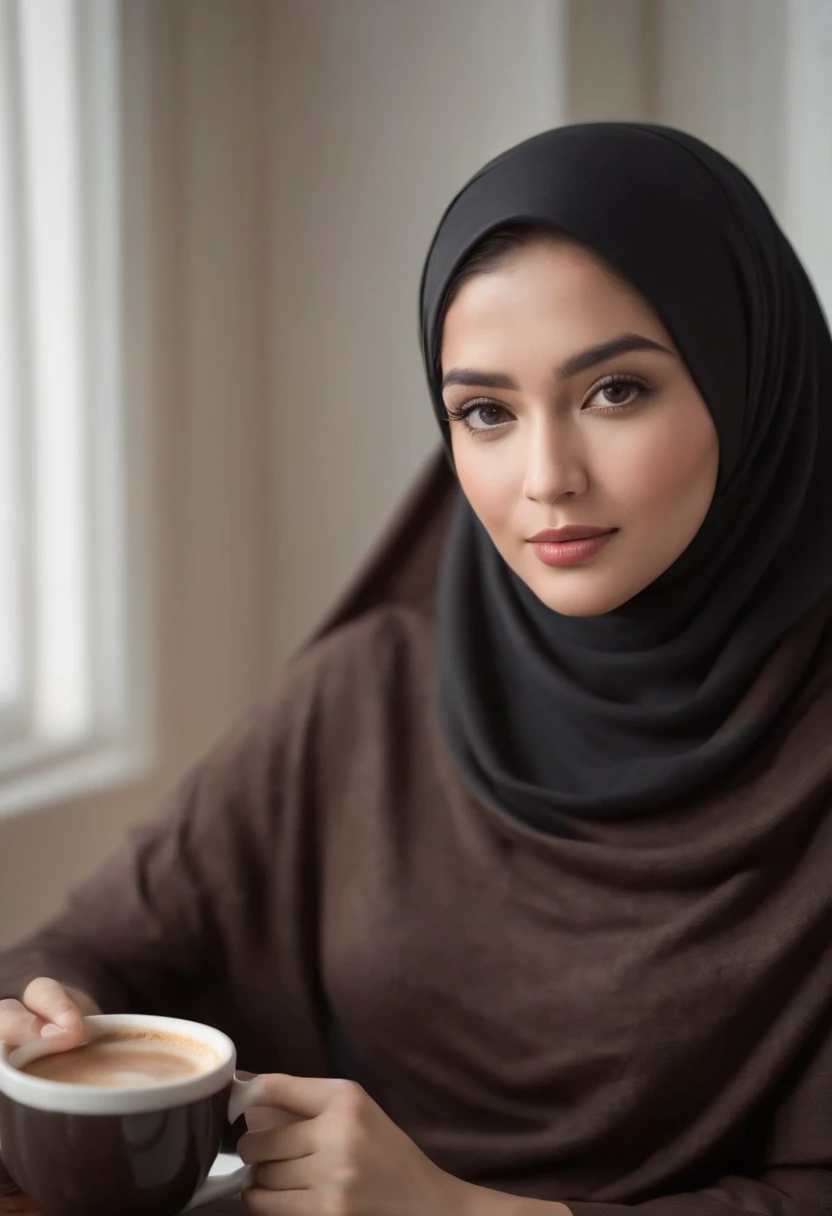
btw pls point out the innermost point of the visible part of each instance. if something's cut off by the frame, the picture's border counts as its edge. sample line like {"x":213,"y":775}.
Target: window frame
{"x":46,"y":753}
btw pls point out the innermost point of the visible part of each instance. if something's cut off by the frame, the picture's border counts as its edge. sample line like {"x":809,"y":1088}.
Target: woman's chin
{"x":578,"y":593}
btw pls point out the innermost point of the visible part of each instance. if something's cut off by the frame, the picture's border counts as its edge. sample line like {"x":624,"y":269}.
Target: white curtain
{"x":62,"y":553}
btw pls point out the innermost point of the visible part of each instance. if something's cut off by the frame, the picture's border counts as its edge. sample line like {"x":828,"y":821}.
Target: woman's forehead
{"x":554,"y":293}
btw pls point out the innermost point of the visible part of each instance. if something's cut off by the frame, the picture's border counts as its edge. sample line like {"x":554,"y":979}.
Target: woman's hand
{"x":48,"y":1011}
{"x":339,"y":1154}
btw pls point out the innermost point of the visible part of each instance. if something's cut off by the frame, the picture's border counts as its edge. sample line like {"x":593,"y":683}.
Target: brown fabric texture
{"x":639,"y":1017}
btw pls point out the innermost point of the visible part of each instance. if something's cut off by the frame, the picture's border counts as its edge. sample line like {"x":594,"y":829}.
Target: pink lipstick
{"x":569,"y":546}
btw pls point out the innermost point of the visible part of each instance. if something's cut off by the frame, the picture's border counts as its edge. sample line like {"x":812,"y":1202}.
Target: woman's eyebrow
{"x":469,"y":376}
{"x":581,"y":362}
{"x":621,"y":345}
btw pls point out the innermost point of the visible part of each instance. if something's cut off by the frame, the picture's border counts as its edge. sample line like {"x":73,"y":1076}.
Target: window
{"x":69,"y":714}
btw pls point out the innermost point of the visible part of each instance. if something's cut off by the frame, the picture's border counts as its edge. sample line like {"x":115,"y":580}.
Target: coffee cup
{"x":131,"y":1122}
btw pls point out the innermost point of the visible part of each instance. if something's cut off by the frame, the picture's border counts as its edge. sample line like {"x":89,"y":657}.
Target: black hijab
{"x":553,"y":718}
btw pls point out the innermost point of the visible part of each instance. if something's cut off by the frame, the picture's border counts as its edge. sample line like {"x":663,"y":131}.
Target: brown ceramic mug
{"x":90,"y":1150}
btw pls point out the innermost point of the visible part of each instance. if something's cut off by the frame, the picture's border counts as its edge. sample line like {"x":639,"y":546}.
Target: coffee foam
{"x":127,"y":1059}
{"x":157,"y":1038}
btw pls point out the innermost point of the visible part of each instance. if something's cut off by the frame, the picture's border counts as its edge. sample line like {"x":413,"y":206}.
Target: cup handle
{"x":244,"y":1094}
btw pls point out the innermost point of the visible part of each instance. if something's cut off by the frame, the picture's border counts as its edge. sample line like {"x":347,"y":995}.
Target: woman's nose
{"x":555,"y":466}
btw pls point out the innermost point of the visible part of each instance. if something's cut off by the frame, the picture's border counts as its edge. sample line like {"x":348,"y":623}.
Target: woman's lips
{"x":569,"y":546}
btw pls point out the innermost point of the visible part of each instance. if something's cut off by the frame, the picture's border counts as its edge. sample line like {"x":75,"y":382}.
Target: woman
{"x":535,"y":841}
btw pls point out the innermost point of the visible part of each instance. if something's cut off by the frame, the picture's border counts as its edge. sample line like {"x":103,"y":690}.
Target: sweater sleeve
{"x":150,"y":930}
{"x":795,"y":1176}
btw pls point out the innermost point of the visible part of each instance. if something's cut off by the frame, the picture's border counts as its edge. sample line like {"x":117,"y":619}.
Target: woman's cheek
{"x":659,"y":466}
{"x":488,"y":479}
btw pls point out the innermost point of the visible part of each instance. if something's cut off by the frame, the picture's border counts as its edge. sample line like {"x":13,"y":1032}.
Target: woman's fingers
{"x":51,"y":1001}
{"x":296,"y":1140}
{"x":61,"y":1021}
{"x":259,"y":1118}
{"x":18,"y":1025}
{"x":305,"y":1097}
{"x":285,"y":1175}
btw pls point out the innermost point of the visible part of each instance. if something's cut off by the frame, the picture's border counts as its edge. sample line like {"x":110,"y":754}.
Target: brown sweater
{"x":640,"y":1016}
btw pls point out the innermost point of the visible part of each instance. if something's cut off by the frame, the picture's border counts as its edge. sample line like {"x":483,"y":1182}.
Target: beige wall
{"x":286,"y":162}
{"x":380,"y":112}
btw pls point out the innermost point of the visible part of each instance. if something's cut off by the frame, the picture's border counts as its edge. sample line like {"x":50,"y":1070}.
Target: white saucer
{"x":226,"y":1163}
{"x":219,"y":1183}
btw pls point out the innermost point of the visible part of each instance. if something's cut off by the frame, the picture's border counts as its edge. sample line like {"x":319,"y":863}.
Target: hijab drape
{"x":553,"y":718}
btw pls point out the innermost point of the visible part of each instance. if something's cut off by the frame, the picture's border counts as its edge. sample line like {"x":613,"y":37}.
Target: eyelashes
{"x":463,"y":414}
{"x":481,"y":414}
{"x":614,"y":382}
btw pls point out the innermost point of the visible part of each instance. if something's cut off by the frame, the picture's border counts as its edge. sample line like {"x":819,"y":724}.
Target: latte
{"x":126,"y":1059}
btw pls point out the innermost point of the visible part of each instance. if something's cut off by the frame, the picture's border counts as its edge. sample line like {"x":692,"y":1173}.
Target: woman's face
{"x":571,"y":409}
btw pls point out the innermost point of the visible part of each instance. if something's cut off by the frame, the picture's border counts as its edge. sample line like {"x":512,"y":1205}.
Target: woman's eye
{"x":480,"y":415}
{"x":484,"y":416}
{"x":617,"y":394}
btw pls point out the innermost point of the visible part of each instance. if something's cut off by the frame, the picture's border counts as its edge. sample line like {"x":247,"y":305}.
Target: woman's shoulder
{"x":368,"y":647}
{"x":332,"y":698}
{"x":385,"y":652}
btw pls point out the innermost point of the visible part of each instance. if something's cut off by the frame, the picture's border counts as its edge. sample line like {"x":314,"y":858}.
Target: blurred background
{"x":212,"y":220}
